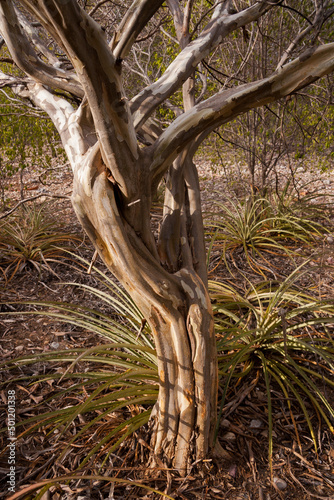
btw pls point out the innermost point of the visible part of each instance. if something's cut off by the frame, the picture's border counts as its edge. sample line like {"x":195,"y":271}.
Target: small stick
{"x":2,"y":216}
{"x":89,"y":270}
{"x":143,"y":323}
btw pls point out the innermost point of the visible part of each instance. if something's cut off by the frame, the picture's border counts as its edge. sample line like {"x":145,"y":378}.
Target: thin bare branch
{"x":228,"y":104}
{"x":97,"y":6}
{"x":32,"y":198}
{"x":318,"y":19}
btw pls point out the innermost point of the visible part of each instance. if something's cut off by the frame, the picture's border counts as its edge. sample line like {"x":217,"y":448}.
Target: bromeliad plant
{"x":257,"y":228}
{"x":31,"y":236}
{"x":286,"y":334}
{"x":274,"y":329}
{"x":112,"y":386}
{"x":112,"y":401}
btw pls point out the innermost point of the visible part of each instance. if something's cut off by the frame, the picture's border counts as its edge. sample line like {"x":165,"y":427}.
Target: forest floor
{"x":243,"y":472}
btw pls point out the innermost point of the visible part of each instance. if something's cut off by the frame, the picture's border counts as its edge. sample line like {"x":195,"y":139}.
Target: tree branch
{"x":99,"y":72}
{"x":132,"y":24}
{"x":27,"y":60}
{"x":36,"y":40}
{"x":26,"y":200}
{"x":221,"y":24}
{"x":65,"y":119}
{"x":227,"y":104}
{"x":318,"y":18}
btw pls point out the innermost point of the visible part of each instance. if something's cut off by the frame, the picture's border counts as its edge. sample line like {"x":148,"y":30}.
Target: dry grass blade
{"x":105,"y":381}
{"x":47,"y":483}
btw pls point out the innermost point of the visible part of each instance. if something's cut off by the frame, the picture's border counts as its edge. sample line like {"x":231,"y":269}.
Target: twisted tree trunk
{"x":79,"y":84}
{"x":177,"y":307}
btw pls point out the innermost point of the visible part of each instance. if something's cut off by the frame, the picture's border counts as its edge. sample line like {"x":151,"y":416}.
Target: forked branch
{"x":221,"y":24}
{"x":26,"y":58}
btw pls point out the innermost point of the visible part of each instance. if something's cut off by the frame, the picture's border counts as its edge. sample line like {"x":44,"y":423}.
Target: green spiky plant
{"x":31,"y":236}
{"x":127,"y":377}
{"x":111,"y":388}
{"x":287,"y":335}
{"x":258,"y":228}
{"x":303,"y":202}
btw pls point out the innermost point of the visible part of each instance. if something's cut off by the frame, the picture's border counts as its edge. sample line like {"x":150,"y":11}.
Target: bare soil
{"x":242,"y":472}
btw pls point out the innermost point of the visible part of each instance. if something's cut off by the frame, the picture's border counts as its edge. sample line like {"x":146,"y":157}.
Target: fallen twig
{"x":31,"y":199}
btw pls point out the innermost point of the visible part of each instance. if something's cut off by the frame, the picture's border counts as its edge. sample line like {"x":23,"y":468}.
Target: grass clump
{"x":272,"y":332}
{"x":116,"y":378}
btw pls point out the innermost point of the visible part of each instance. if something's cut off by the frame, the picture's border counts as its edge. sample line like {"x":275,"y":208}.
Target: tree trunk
{"x":178,"y":310}
{"x":186,"y":407}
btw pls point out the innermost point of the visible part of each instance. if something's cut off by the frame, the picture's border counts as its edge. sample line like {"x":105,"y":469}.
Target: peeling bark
{"x":26,"y":58}
{"x":115,"y":178}
{"x":228,"y":104}
{"x":176,"y":306}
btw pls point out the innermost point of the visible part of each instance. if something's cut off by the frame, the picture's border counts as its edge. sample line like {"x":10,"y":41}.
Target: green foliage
{"x":282,"y":334}
{"x":27,"y":138}
{"x":127,"y":378}
{"x":123,"y":380}
{"x":307,"y":207}
{"x":25,"y":132}
{"x":31,"y":236}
